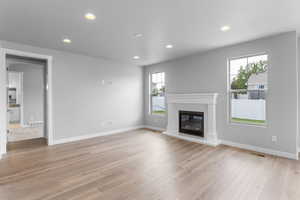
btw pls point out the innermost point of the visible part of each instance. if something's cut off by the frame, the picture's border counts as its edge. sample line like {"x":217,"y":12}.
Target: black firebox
{"x":191,"y":123}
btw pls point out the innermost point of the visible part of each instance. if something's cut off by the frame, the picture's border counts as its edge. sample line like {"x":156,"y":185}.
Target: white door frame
{"x":49,"y":120}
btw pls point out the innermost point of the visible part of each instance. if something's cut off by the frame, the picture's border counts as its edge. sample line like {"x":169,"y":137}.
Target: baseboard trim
{"x":225,"y":142}
{"x":89,"y":136}
{"x":261,"y":150}
{"x":154,"y":128}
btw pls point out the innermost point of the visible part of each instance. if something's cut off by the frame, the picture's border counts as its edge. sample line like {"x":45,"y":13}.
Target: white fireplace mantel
{"x":205,"y":102}
{"x":200,"y":98}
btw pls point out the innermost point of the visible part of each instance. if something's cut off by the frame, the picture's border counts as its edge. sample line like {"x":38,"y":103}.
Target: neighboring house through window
{"x":247,"y":89}
{"x":157,"y":93}
{"x":257,"y":83}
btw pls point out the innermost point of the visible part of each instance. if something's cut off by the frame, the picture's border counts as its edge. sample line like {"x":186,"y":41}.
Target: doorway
{"x":28,"y":99}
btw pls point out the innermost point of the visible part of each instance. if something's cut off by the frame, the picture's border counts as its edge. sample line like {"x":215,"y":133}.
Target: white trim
{"x":261,"y":150}
{"x":207,"y":99}
{"x":297,"y":93}
{"x":229,"y":90}
{"x":197,"y":98}
{"x":189,"y":138}
{"x":22,"y":101}
{"x":89,"y":136}
{"x":154,"y":128}
{"x":50,"y":133}
{"x":35,"y":123}
{"x":3,"y":117}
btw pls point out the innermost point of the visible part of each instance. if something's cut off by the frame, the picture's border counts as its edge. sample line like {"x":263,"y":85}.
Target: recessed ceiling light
{"x":136,"y":57}
{"x":90,"y":16}
{"x":138,"y":35}
{"x":169,"y":46}
{"x":225,"y":28}
{"x":67,"y":41}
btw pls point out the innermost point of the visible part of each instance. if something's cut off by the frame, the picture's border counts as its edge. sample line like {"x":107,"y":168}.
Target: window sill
{"x":248,"y":124}
{"x":158,"y":115}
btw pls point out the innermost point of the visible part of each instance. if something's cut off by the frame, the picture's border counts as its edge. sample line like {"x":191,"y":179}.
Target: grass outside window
{"x":159,"y":112}
{"x":248,"y":121}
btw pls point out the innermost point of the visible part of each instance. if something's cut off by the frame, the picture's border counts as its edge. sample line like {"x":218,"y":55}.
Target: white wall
{"x":207,"y":72}
{"x":3,"y":116}
{"x":81,"y":104}
{"x":298,"y":63}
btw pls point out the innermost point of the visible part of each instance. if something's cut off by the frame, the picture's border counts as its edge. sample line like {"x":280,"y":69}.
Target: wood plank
{"x":145,"y":165}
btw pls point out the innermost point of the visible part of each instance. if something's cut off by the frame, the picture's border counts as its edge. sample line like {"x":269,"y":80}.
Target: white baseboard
{"x":89,"y":136}
{"x":238,"y":145}
{"x":261,"y":150}
{"x":225,"y":142}
{"x":35,"y":123}
{"x":154,"y":128}
{"x":32,"y":124}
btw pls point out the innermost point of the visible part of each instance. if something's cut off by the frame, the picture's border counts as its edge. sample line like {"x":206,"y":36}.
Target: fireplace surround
{"x":195,"y":102}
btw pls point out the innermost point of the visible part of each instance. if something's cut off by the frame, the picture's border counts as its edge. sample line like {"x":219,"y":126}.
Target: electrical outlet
{"x":274,"y":138}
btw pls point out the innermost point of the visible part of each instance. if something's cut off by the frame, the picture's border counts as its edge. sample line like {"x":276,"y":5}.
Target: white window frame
{"x":150,"y":94}
{"x":229,"y":92}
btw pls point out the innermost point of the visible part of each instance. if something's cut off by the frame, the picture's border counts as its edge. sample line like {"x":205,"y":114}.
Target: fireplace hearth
{"x":191,"y":123}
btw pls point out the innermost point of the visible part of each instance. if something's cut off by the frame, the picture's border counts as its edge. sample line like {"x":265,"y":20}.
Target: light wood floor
{"x":25,"y":145}
{"x":143,"y":165}
{"x":19,"y":133}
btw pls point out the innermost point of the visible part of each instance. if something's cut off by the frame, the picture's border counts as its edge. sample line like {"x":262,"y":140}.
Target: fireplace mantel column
{"x":212,"y":135}
{"x":172,"y":125}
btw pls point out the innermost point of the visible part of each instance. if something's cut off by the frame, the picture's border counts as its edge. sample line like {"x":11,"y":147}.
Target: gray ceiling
{"x":190,"y":25}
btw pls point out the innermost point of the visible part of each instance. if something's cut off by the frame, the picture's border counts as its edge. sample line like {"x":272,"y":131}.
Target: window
{"x":247,"y":89}
{"x":157,"y":93}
